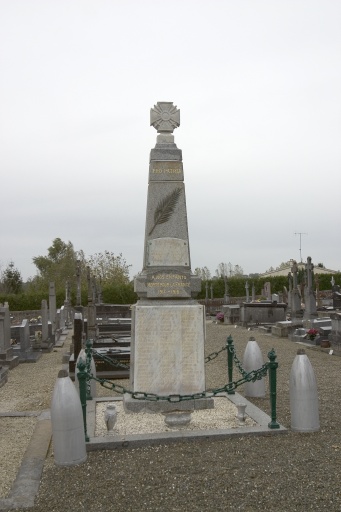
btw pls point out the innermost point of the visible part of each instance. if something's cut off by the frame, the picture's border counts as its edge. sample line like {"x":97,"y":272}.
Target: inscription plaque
{"x":168,"y":349}
{"x":168,"y":252}
{"x":168,"y":285}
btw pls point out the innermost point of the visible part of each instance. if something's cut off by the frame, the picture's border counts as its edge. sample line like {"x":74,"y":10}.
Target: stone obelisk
{"x":168,"y":324}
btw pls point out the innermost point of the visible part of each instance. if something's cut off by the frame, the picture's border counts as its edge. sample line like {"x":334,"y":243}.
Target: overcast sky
{"x":258,"y":85}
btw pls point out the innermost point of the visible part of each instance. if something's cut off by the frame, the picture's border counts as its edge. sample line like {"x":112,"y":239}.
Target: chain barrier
{"x":231,"y":349}
{"x":85,"y":375}
{"x":141,"y":395}
{"x":113,"y":362}
{"x":213,"y":355}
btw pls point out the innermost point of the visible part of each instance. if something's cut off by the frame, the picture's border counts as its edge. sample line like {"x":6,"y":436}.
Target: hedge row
{"x":236,"y":285}
{"x":124,"y":294}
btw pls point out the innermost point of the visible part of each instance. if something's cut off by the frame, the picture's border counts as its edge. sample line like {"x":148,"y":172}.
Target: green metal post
{"x":82,"y":392}
{"x":273,"y":365}
{"x":230,"y":350}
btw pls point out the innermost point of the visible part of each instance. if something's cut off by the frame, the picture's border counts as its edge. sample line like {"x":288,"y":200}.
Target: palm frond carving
{"x":165,"y":208}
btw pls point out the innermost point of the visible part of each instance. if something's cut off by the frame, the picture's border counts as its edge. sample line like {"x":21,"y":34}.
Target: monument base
{"x":167,"y":351}
{"x":135,"y":406}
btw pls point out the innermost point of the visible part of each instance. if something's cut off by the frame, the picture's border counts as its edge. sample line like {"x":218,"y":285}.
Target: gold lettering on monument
{"x":166,"y":171}
{"x":168,"y":284}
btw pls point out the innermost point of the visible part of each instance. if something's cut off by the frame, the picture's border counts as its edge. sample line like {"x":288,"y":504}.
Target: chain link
{"x":213,"y":355}
{"x":141,"y":395}
{"x":237,"y":362}
{"x":113,"y":362}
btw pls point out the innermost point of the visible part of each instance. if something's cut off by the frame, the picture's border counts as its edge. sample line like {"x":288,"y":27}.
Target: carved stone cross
{"x":309,"y":269}
{"x":164,"y":117}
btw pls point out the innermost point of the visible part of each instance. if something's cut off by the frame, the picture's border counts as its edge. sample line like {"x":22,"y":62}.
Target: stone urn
{"x":110,"y":417}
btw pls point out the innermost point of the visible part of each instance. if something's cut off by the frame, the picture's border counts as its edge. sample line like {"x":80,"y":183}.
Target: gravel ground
{"x":223,"y":416}
{"x":292,"y":472}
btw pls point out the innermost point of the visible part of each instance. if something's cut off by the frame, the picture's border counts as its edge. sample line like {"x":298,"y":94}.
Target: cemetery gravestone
{"x":52,"y":307}
{"x":247,"y":291}
{"x":267,"y":290}
{"x":7,"y":358}
{"x":78,"y":276}
{"x":23,"y":349}
{"x":44,"y":322}
{"x":310,"y":311}
{"x":296,"y":310}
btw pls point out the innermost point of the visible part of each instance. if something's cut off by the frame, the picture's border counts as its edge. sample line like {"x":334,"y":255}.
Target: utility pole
{"x":300,"y":243}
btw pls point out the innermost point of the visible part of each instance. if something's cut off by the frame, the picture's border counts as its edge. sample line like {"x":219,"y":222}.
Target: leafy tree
{"x":238,"y":270}
{"x":11,"y":279}
{"x":282,"y":265}
{"x":228,"y":270}
{"x":224,"y":269}
{"x":204,"y":273}
{"x":108,"y":268}
{"x":58,"y":266}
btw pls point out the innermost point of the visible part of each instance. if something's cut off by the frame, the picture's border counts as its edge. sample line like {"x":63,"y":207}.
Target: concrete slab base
{"x":115,"y":442}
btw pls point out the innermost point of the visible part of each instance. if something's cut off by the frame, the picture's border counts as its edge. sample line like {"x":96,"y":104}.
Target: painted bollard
{"x":67,"y":423}
{"x":93,"y":390}
{"x":303,"y":395}
{"x":253,"y":360}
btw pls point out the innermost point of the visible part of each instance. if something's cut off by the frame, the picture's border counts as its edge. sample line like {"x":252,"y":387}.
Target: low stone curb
{"x":26,"y":484}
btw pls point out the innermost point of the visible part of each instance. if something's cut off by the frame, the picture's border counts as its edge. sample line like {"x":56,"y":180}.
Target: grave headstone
{"x":289,"y":294}
{"x":62,"y":319}
{"x":23,"y":348}
{"x":67,"y":305}
{"x":92,"y":329}
{"x":44,"y":322}
{"x":168,"y":324}
{"x":247,"y":291}
{"x":7,"y":358}
{"x":52,"y":307}
{"x":58,"y":329}
{"x":296,"y":310}
{"x":78,"y":334}
{"x":336,"y":297}
{"x":267,"y":290}
{"x":310,"y":311}
{"x":335,"y":335}
{"x":226,"y":292}
{"x":253,"y":292}
{"x":78,"y":277}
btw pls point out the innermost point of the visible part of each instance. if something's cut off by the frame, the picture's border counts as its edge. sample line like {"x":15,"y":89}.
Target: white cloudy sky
{"x":258,"y":84}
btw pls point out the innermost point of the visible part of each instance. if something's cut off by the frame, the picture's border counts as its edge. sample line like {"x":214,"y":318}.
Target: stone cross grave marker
{"x":247,"y":291}
{"x":52,"y":307}
{"x":295,"y":296}
{"x":310,"y":310}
